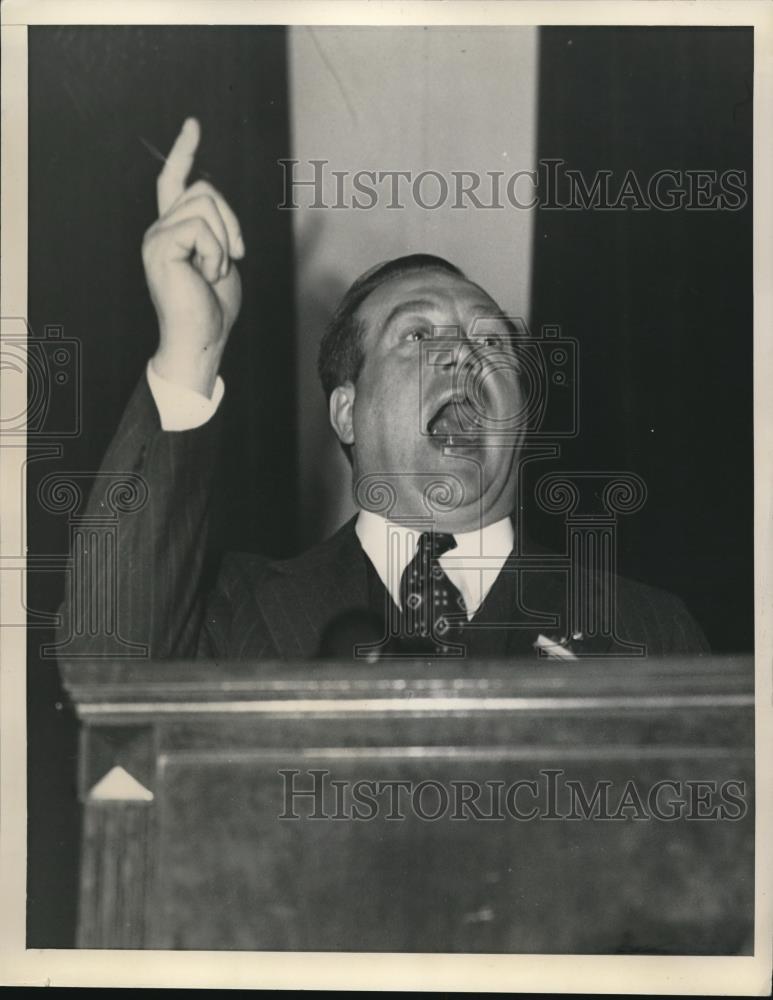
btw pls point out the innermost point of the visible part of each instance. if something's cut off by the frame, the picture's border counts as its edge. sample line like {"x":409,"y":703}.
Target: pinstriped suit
{"x":280,"y":609}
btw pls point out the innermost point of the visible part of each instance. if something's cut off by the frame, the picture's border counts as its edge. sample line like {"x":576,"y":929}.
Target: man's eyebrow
{"x":494,"y":312}
{"x":489,"y":312}
{"x":407,"y":307}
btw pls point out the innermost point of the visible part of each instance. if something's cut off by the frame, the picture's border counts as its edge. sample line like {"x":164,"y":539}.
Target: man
{"x":431,"y":565}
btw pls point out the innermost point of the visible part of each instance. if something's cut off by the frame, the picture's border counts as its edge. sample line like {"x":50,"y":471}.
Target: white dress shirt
{"x":180,"y":408}
{"x":472,"y":566}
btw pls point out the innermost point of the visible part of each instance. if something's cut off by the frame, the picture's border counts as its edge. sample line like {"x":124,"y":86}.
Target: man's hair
{"x":341,"y":353}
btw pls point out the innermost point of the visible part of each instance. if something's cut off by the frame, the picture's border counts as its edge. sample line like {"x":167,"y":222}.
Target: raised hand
{"x":188,"y":254}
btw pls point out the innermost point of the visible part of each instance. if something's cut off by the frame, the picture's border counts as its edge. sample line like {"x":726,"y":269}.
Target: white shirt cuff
{"x":180,"y":408}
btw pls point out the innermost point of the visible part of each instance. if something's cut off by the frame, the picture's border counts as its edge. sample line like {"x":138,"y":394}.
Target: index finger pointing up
{"x":171,"y":180}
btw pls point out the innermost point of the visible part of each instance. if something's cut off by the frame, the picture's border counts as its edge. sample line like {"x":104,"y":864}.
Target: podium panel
{"x":581,"y":807}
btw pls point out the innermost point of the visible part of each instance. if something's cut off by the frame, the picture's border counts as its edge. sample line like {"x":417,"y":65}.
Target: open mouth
{"x":457,"y":422}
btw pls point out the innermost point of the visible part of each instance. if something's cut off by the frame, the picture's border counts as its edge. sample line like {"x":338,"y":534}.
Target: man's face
{"x":436,"y":408}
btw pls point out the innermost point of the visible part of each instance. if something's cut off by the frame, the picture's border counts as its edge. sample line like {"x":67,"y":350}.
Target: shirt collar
{"x":472,"y":566}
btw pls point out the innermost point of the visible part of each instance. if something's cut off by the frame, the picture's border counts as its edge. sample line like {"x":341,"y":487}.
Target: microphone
{"x":353,"y":628}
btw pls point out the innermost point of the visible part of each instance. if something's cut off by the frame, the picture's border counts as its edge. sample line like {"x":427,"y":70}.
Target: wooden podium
{"x":226,"y":806}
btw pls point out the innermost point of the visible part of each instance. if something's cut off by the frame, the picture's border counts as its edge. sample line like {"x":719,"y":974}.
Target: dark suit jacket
{"x":260,"y":608}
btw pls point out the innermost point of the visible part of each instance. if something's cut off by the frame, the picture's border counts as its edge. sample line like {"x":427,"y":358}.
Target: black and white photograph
{"x":386,"y":528}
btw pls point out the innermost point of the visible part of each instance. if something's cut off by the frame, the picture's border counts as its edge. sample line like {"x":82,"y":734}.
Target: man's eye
{"x":415,"y":334}
{"x":490,"y":340}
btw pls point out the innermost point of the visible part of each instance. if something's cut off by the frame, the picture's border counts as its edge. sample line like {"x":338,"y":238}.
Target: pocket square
{"x":553,"y":649}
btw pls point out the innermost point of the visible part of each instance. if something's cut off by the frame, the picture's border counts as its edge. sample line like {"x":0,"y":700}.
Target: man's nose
{"x":460,"y":352}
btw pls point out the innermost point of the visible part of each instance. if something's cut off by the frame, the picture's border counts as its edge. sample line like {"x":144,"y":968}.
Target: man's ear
{"x":342,"y":412}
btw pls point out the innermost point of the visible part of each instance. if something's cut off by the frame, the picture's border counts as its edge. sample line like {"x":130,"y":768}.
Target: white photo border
{"x":507,"y":973}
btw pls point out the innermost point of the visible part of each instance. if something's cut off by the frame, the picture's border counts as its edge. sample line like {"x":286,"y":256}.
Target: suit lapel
{"x":529,"y":598}
{"x":539,"y":590}
{"x":525,"y":600}
{"x":309,"y":592}
{"x":537,"y":604}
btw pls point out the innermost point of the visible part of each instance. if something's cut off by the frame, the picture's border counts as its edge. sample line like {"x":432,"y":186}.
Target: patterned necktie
{"x":433,"y":610}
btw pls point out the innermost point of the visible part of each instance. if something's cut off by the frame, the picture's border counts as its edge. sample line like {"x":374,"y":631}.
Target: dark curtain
{"x":660,"y":301}
{"x":99,"y":99}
